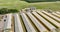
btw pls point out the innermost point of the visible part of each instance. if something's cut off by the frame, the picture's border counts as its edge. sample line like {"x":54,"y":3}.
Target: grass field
{"x":22,"y":4}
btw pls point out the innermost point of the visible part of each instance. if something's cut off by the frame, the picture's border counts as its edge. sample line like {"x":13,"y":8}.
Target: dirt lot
{"x":1,"y":25}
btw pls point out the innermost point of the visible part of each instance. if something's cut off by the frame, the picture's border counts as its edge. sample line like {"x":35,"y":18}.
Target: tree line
{"x":40,"y":0}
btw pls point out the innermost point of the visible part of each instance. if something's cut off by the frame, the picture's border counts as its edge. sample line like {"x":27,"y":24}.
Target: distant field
{"x":46,"y":5}
{"x":22,"y":4}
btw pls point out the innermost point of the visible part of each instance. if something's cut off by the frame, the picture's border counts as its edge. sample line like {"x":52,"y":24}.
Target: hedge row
{"x":6,"y":10}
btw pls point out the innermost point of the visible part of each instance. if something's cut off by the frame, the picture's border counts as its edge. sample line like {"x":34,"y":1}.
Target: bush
{"x":12,"y":10}
{"x":5,"y":11}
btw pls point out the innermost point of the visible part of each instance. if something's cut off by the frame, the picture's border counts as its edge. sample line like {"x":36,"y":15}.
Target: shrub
{"x":5,"y":11}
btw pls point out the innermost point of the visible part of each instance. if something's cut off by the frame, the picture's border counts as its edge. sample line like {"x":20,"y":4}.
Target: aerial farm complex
{"x":33,"y":20}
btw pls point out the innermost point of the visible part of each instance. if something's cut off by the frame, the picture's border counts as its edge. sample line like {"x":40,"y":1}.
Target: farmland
{"x":21,"y":16}
{"x":22,"y":4}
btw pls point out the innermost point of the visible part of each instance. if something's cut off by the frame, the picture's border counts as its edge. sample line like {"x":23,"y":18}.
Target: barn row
{"x":35,"y":21}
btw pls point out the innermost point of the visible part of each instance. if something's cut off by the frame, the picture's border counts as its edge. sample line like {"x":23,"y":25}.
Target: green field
{"x":22,"y":4}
